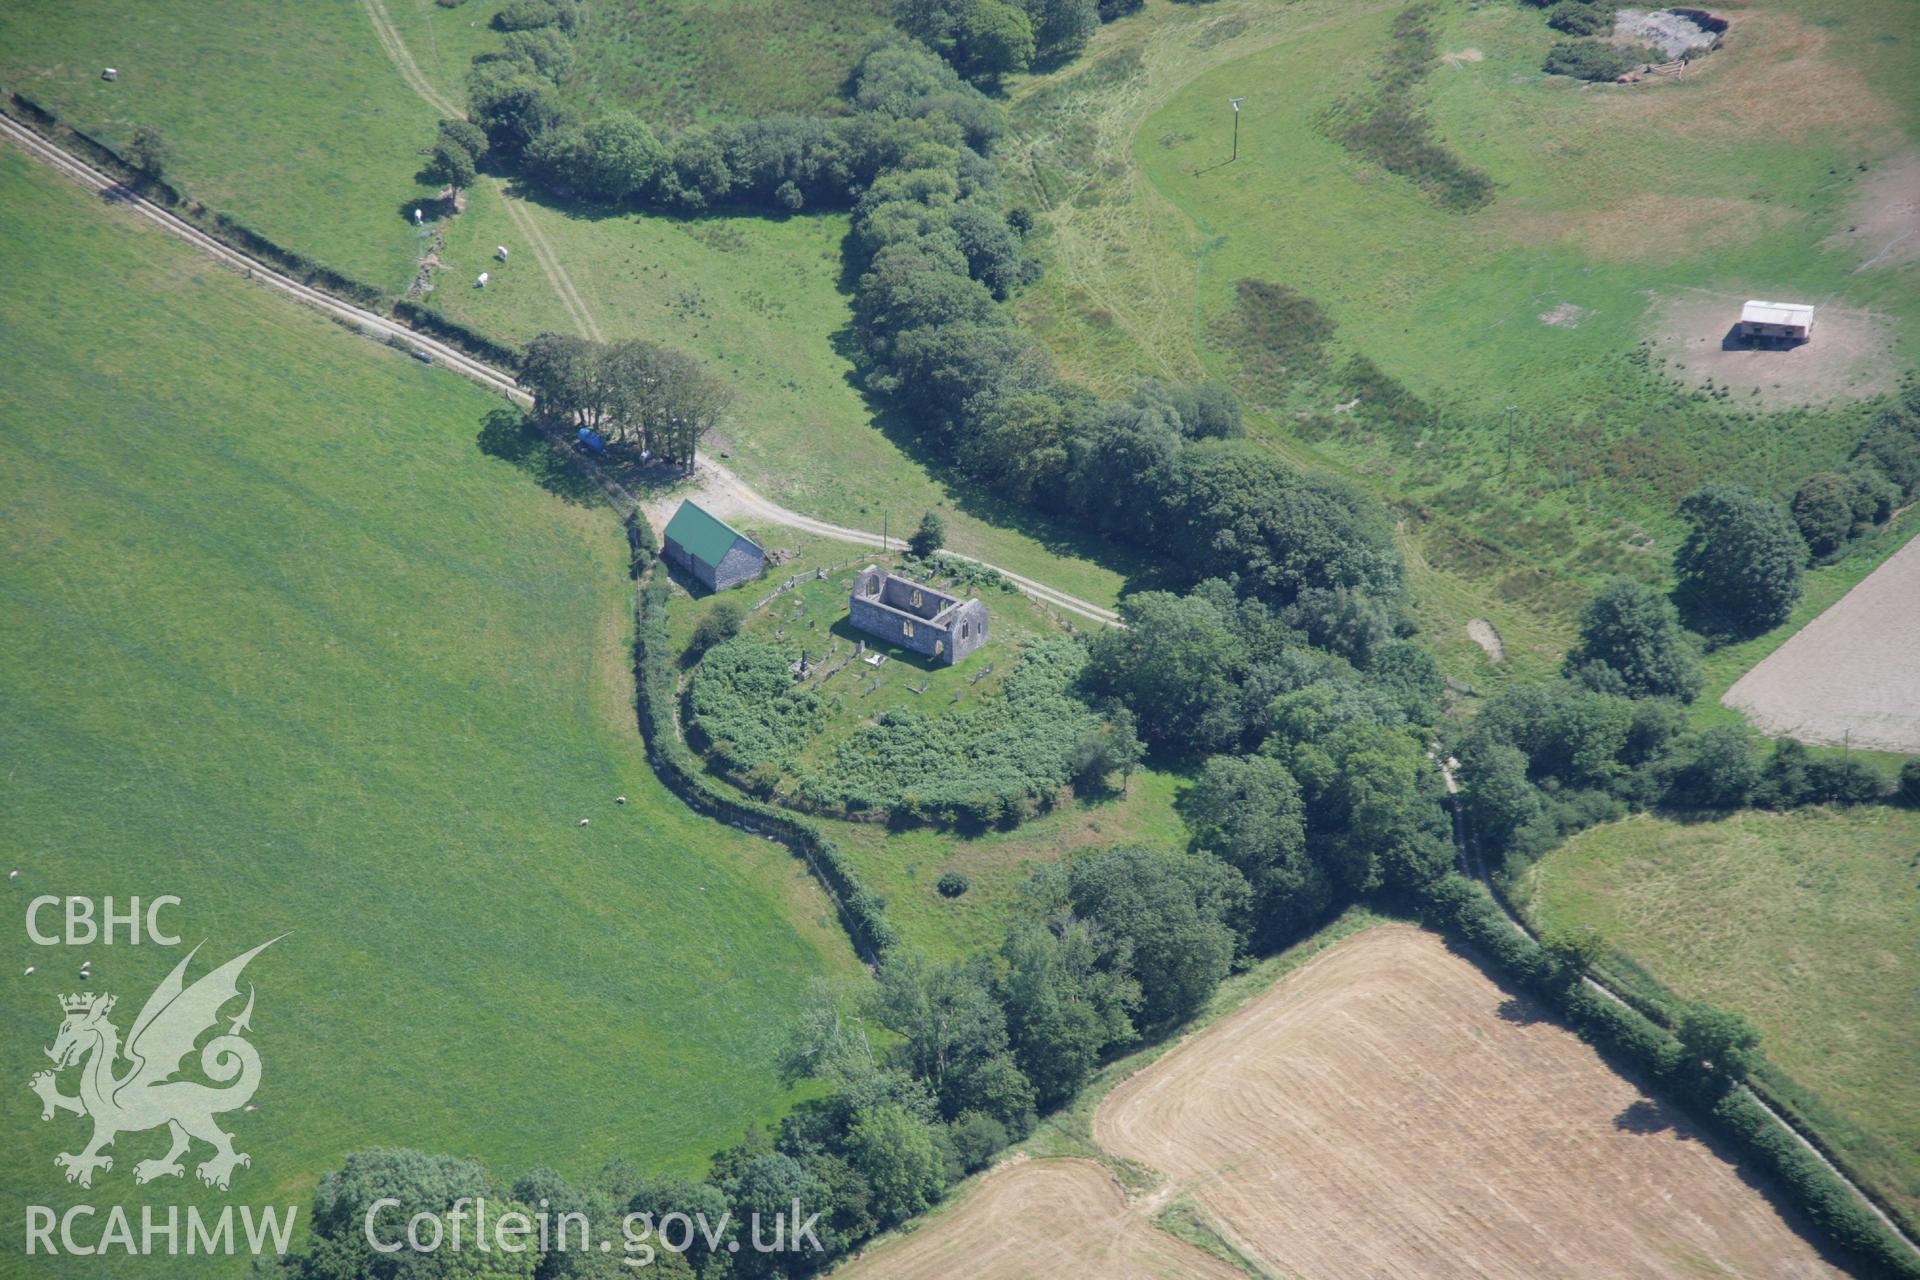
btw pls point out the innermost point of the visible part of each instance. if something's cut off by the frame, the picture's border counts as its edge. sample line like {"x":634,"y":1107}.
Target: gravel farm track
{"x":1852,"y":675}
{"x":714,"y":482}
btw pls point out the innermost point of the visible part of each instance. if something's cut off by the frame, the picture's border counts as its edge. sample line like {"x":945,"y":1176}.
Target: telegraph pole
{"x":1236,"y":126}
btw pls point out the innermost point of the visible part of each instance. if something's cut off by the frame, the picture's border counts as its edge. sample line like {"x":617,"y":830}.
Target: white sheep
{"x":481,"y":283}
{"x":14,"y":874}
{"x":502,"y":251}
{"x":619,"y":799}
{"x":30,"y":969}
{"x":417,"y":218}
{"x":584,"y":821}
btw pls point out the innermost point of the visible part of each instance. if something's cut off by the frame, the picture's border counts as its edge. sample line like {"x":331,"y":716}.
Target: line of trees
{"x":934,"y":255}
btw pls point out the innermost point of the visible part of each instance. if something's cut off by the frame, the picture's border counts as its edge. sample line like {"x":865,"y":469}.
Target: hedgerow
{"x":1462,"y":908}
{"x":655,"y":684}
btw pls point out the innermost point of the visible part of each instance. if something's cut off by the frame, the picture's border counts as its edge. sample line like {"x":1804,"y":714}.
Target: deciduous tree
{"x":1740,"y":565}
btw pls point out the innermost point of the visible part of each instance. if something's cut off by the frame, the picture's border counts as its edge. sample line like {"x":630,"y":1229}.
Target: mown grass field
{"x":1805,"y":922}
{"x":317,"y":144}
{"x":1824,"y":586}
{"x":284,"y":642}
{"x":1610,"y":208}
{"x":274,"y":113}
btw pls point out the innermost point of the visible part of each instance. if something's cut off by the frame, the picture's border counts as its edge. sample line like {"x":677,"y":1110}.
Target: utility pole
{"x":1236,"y":127}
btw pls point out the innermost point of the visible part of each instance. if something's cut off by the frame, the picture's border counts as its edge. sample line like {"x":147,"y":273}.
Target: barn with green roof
{"x":709,"y":550}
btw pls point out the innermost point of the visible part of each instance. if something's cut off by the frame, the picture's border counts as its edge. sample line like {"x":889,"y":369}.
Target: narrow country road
{"x":713,"y":478}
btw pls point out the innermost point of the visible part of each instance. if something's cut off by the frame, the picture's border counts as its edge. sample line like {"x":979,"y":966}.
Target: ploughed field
{"x":1852,"y":675}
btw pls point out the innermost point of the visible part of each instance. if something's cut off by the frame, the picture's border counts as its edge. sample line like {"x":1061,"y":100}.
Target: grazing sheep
{"x":30,"y":969}
{"x":619,"y":799}
{"x":502,"y":251}
{"x":416,"y":218}
{"x":481,"y":283}
{"x":584,"y":821}
{"x":14,"y":874}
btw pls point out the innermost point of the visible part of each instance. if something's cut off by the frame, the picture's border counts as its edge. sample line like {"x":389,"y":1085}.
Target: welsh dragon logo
{"x":145,"y":1095}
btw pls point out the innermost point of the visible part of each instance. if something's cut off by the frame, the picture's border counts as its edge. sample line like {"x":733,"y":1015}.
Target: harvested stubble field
{"x":1041,"y":1218}
{"x":1852,"y":675}
{"x":1385,"y":1110}
{"x":1389,"y":1110}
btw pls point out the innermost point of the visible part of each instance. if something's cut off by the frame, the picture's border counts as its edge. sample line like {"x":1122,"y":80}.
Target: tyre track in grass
{"x":543,"y":255}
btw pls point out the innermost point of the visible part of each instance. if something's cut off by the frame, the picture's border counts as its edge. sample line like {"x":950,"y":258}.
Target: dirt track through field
{"x":543,"y":254}
{"x":1040,"y":1218}
{"x":1852,"y":675}
{"x":1389,"y":1111}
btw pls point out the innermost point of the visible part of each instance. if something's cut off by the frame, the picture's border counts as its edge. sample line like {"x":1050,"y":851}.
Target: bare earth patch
{"x":1460,"y":57}
{"x":1852,"y":675}
{"x":1850,"y":356}
{"x":1040,"y":1218}
{"x":1388,"y":1110}
{"x":1481,"y":632}
{"x":1564,"y":316}
{"x":1883,"y":222}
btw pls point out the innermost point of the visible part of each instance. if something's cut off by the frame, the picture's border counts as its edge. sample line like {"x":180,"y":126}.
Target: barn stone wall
{"x":743,"y":562}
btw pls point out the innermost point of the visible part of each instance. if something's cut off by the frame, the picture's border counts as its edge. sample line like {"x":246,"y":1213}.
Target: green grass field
{"x":903,"y":866}
{"x":760,"y":300}
{"x":271,"y":119}
{"x":319,"y":152}
{"x":1805,"y":922}
{"x":1610,"y":206}
{"x":284,"y":642}
{"x":721,"y":59}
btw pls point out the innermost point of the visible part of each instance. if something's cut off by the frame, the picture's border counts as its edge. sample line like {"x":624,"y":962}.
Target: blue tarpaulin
{"x":592,"y":441}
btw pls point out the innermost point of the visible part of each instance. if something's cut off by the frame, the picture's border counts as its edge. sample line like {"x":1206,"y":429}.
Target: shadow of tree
{"x":1644,"y":1116}
{"x":509,"y":435}
{"x":1521,"y":1012}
